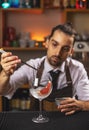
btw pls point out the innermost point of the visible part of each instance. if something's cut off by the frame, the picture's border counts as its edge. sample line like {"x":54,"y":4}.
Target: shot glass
{"x":58,"y":100}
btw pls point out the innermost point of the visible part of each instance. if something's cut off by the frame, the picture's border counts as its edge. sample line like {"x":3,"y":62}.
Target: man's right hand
{"x":9,"y":62}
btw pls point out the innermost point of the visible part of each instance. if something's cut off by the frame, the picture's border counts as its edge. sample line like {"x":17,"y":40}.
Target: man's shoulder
{"x":36,"y":62}
{"x":75,"y":63}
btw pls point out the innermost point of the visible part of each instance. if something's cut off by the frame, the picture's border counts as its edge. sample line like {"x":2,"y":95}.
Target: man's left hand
{"x":70,"y":106}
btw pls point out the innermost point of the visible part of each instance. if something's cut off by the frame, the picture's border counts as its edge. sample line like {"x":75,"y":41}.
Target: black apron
{"x":49,"y":102}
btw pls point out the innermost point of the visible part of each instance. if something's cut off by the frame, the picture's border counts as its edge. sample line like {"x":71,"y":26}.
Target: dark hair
{"x":66,"y":28}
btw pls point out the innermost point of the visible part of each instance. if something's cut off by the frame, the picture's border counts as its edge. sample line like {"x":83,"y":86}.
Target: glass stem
{"x":40,"y":105}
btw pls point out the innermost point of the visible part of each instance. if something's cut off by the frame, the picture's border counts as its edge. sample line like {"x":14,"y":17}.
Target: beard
{"x":55,"y":61}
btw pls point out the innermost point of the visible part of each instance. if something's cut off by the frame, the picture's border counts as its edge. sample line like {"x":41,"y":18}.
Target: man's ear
{"x":72,"y":51}
{"x":47,"y":43}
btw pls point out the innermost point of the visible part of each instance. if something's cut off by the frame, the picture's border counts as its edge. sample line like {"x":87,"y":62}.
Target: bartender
{"x":71,"y":80}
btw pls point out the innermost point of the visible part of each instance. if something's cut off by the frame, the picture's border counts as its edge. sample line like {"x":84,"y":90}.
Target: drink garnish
{"x":46,"y":89}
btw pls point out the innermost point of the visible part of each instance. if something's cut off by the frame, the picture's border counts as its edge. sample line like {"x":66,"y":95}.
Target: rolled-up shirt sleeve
{"x":20,"y":77}
{"x":23,"y":75}
{"x":82,"y":84}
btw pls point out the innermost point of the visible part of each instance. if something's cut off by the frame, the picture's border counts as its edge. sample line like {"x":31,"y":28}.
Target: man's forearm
{"x":4,"y":83}
{"x":85,"y":105}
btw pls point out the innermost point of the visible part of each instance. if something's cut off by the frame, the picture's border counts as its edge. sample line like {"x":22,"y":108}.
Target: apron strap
{"x":68,"y":75}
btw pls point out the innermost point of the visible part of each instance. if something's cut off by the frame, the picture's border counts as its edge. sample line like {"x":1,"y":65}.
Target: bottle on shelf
{"x":56,"y":3}
{"x":24,"y":100}
{"x":5,"y":4}
{"x":14,"y":104}
{"x":14,"y":3}
{"x":24,"y":39}
{"x":88,"y":4}
{"x":72,"y":3}
{"x":81,"y":4}
{"x":27,"y":4}
{"x":65,"y":3}
{"x":36,"y":3}
{"x":47,"y":4}
{"x":20,"y":101}
{"x":10,"y":37}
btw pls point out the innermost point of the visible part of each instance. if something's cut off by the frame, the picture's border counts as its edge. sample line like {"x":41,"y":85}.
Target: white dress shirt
{"x":25,"y":75}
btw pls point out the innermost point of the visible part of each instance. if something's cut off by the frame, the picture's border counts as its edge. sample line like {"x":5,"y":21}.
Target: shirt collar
{"x":48,"y":67}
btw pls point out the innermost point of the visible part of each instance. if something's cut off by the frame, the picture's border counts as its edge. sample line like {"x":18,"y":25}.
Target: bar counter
{"x":58,"y":121}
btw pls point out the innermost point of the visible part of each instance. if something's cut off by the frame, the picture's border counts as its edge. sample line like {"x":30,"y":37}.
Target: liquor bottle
{"x":46,"y":3}
{"x":14,"y":3}
{"x":77,"y":4}
{"x":35,"y":3}
{"x":24,"y":100}
{"x":72,"y":3}
{"x":65,"y":3}
{"x":87,"y":3}
{"x":82,"y":4}
{"x":56,"y":3}
{"x":5,"y":4}
{"x":15,"y":102}
{"x":0,"y":3}
{"x":27,"y":4}
{"x":21,"y":4}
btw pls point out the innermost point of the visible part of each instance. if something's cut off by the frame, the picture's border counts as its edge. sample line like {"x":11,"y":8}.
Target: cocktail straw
{"x":28,"y":65}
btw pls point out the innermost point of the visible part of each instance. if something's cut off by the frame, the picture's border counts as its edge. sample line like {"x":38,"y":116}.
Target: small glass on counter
{"x":58,"y":100}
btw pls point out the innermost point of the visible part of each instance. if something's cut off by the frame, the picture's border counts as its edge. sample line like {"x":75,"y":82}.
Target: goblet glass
{"x":41,"y":92}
